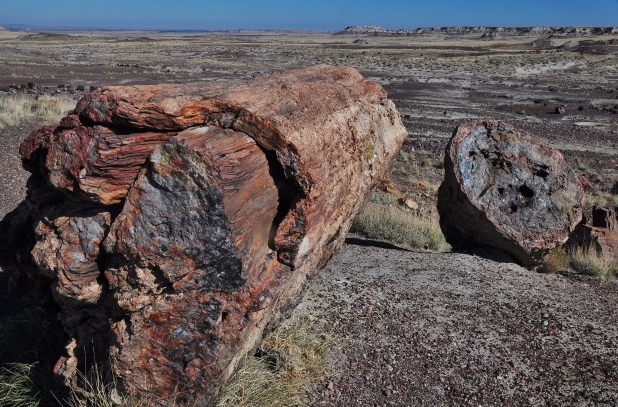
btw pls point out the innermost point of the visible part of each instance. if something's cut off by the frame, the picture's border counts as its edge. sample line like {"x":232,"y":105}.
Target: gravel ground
{"x":12,"y":176}
{"x":449,"y":329}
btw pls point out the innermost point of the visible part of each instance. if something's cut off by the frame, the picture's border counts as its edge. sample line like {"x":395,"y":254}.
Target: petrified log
{"x":506,"y":189}
{"x":175,"y":224}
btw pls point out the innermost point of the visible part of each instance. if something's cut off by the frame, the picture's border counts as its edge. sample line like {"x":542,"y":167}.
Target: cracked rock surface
{"x":505,"y":188}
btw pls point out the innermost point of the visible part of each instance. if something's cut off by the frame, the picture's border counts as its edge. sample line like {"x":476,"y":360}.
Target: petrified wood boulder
{"x":506,"y":189}
{"x":174,"y":224}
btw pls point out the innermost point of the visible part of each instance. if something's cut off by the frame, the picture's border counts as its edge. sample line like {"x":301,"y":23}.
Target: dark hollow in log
{"x":506,"y":189}
{"x":176,"y":224}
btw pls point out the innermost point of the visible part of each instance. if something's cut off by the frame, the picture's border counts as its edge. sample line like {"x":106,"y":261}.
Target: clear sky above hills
{"x":312,"y":15}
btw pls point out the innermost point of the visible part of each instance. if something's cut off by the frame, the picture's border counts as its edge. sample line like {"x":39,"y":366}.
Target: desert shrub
{"x":556,"y":261}
{"x":293,"y":357}
{"x":601,"y":198}
{"x":17,"y":387}
{"x":16,"y":109}
{"x":399,"y":226}
{"x":405,"y":156}
{"x":384,"y":198}
{"x":588,"y":261}
{"x":426,"y":163}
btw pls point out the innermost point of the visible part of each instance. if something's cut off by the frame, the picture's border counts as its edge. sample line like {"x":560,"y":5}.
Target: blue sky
{"x":316,"y":15}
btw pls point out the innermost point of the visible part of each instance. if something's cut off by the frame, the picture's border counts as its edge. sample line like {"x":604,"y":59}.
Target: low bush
{"x":588,"y":261}
{"x":557,"y":260}
{"x":398,"y":225}
{"x":601,"y":198}
{"x":16,"y":109}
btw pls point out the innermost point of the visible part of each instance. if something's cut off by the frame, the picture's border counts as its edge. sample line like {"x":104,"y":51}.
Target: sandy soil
{"x":410,"y":328}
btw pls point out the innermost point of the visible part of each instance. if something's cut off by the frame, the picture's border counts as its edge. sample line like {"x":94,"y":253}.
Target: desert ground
{"x":409,"y":327}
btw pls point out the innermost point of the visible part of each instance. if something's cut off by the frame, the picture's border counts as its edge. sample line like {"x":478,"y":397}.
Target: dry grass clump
{"x":292,"y":358}
{"x":96,"y":391}
{"x":386,"y":222}
{"x":601,"y":198}
{"x":556,"y":261}
{"x":585,"y":260}
{"x":16,"y":109}
{"x":17,"y":388}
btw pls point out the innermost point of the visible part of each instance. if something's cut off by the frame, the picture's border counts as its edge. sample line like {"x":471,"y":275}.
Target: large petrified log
{"x":504,"y":188}
{"x":174,"y":224}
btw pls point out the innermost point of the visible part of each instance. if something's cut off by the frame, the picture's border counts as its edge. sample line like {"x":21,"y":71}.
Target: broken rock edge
{"x":212,"y":112}
{"x":289,"y":166}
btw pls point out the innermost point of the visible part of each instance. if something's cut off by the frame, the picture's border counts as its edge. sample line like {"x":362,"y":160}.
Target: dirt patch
{"x":419,"y":328}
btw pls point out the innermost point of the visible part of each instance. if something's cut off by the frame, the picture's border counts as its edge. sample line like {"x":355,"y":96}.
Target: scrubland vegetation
{"x":17,"y":109}
{"x":383,"y":219}
{"x":292,"y":358}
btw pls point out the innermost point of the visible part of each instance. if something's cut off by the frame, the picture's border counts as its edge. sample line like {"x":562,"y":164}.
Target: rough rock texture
{"x":604,"y":218}
{"x":174,"y":224}
{"x":604,"y":241}
{"x":504,"y":188}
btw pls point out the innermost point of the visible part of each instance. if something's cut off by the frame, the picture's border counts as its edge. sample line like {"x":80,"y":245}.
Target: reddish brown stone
{"x":604,"y":218}
{"x":213,"y":203}
{"x":603,"y":241}
{"x":94,"y":162}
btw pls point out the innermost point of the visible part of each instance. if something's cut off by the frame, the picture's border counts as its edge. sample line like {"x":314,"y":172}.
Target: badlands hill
{"x":556,"y":32}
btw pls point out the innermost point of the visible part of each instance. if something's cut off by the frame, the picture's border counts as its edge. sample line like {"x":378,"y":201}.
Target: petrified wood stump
{"x":174,"y":224}
{"x":505,"y":188}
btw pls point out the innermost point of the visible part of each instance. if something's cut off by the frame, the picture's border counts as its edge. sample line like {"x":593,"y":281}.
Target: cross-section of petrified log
{"x":505,"y":188}
{"x":175,"y":224}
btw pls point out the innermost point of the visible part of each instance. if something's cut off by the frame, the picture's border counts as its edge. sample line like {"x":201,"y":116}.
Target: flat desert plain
{"x":409,"y":327}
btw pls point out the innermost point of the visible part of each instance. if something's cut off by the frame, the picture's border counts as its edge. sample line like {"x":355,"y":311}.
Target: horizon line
{"x":25,"y":27}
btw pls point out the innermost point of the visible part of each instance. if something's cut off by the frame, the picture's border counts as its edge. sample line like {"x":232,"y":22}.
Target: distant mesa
{"x":47,"y":36}
{"x":481,"y":31}
{"x":3,"y":29}
{"x":569,"y":45}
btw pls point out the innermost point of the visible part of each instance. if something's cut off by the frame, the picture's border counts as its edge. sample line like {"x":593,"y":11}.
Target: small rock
{"x":409,"y":203}
{"x":560,"y":109}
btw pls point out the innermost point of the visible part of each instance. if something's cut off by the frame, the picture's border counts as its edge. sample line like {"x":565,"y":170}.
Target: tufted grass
{"x":588,"y":261}
{"x":397,"y":225}
{"x":292,"y":359}
{"x":17,"y":387}
{"x":17,"y":109}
